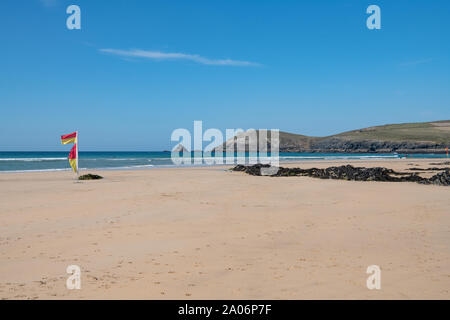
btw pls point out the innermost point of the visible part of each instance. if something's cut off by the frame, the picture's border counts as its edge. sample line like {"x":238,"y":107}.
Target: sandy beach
{"x":208,"y":233}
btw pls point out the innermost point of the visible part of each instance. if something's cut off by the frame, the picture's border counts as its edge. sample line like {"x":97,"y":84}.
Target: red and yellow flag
{"x":71,"y":138}
{"x":73,"y":157}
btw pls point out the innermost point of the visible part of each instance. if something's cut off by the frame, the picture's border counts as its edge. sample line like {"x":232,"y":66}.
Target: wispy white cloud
{"x":157,"y":55}
{"x":416,"y":62}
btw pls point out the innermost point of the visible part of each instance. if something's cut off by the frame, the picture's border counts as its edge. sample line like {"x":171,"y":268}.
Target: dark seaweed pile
{"x":349,"y":172}
{"x":90,"y":176}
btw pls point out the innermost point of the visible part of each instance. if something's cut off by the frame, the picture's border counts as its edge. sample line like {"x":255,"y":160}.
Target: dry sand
{"x":207,"y":233}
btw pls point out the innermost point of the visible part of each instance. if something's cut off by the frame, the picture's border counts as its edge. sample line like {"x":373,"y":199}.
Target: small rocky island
{"x":349,"y":172}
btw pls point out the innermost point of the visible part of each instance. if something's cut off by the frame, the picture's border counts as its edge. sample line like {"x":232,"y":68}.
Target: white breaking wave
{"x":114,"y":159}
{"x":34,"y":170}
{"x":138,"y":166}
{"x":32,"y":159}
{"x":339,"y":157}
{"x":84,"y":159}
{"x":81,"y":169}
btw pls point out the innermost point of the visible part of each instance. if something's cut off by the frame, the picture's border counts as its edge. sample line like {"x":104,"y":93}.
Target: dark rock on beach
{"x":441,"y":179}
{"x":90,"y":176}
{"x":349,"y":172}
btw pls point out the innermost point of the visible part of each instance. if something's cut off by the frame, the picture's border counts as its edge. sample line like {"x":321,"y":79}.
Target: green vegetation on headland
{"x":424,"y":137}
{"x":436,"y":132}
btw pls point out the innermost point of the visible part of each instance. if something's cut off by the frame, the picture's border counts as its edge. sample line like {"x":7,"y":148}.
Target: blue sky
{"x":137,"y":70}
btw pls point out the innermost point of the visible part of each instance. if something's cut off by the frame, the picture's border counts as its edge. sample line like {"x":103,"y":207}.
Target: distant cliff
{"x":424,"y":137}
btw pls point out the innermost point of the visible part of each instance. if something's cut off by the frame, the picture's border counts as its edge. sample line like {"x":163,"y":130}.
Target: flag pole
{"x":78,"y":170}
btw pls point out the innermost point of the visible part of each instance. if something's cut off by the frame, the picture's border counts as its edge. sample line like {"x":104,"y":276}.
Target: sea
{"x":118,"y":160}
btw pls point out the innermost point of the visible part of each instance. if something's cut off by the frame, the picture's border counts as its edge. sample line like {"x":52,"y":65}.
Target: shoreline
{"x":283,"y":162}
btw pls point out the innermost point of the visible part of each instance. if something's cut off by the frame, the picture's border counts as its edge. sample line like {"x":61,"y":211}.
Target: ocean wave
{"x":84,"y":159}
{"x":34,"y":170}
{"x":115,"y":159}
{"x":81,"y":169}
{"x":153,"y":159}
{"x":293,"y":157}
{"x":138,"y":166}
{"x":32,"y":159}
{"x":341,"y":157}
{"x":118,"y":168}
{"x":121,"y":159}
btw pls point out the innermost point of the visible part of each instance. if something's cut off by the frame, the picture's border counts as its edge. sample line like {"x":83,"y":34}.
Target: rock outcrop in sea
{"x":180,"y":148}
